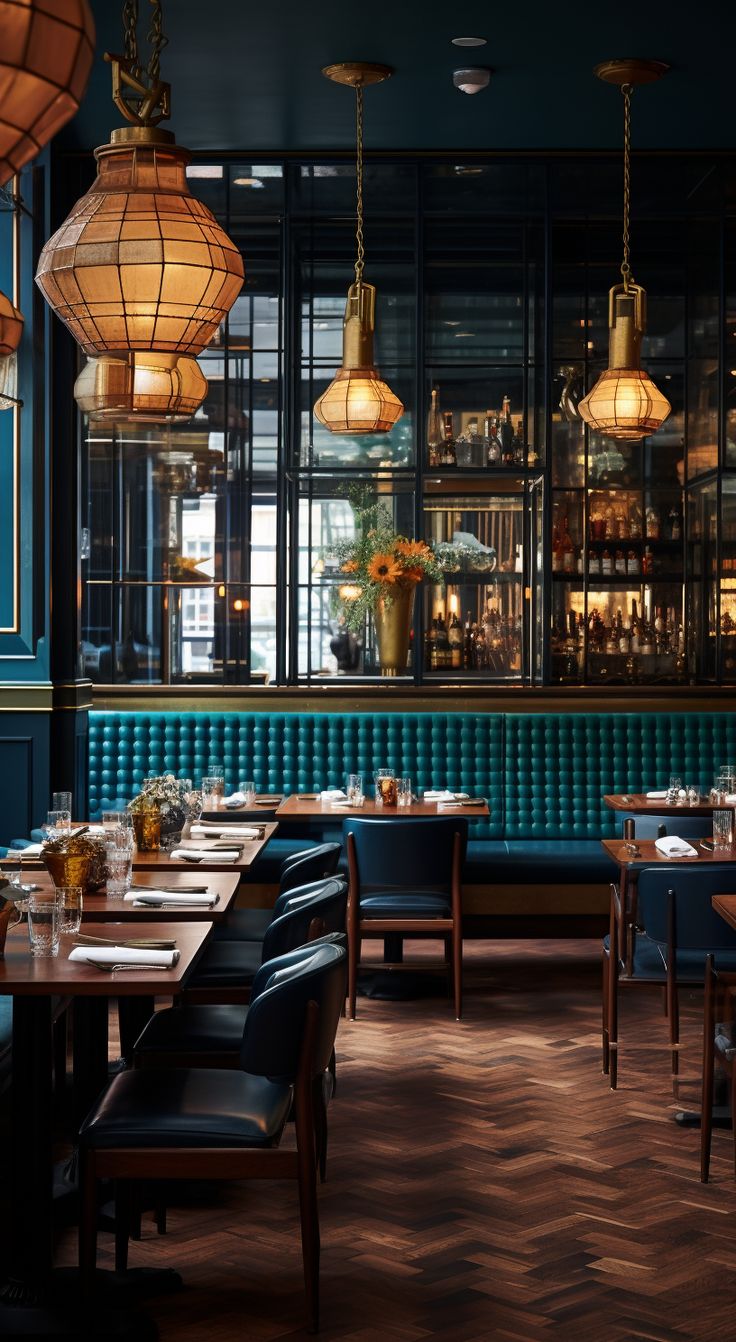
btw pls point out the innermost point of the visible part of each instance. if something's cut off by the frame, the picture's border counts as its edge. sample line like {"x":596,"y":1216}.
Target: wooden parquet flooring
{"x":484,"y":1184}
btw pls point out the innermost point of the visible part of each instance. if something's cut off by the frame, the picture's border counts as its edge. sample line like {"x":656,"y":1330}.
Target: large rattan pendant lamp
{"x":625,"y":403}
{"x":358,"y":400}
{"x":46,"y":53}
{"x":140,"y":266}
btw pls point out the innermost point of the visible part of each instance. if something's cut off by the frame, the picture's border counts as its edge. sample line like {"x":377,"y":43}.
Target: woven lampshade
{"x":140,"y":264}
{"x":46,"y":52}
{"x":625,"y":404}
{"x":149,"y":388}
{"x":358,"y":401}
{"x":11,"y":326}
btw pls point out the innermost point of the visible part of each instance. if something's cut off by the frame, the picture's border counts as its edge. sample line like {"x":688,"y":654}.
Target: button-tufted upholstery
{"x":544,"y":774}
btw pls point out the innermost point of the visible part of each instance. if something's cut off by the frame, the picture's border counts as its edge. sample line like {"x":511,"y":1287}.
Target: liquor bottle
{"x":455,"y":639}
{"x":435,"y":434}
{"x":556,"y":549}
{"x":632,"y":564}
{"x":519,"y":445}
{"x":619,"y":564}
{"x":610,"y":520}
{"x":468,"y":646}
{"x":506,"y":434}
{"x":443,"y":643}
{"x":480,"y":660}
{"x":646,"y":639}
{"x":647,"y":562}
{"x":675,"y":524}
{"x":622,"y":526}
{"x":606,"y":563}
{"x":635,"y":644}
{"x":634,"y":521}
{"x":652,"y":523}
{"x":448,"y":440}
{"x":594,"y":563}
{"x":432,"y":645}
{"x":494,"y":443}
{"x":567,"y":547}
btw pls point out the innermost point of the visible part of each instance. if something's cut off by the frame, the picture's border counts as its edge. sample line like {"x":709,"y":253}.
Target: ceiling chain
{"x":628,"y":278}
{"x":359,"y":260}
{"x":155,"y":36}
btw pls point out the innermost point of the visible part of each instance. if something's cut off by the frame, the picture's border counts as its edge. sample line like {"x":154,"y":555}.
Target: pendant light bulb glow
{"x":358,"y":401}
{"x":625,"y":403}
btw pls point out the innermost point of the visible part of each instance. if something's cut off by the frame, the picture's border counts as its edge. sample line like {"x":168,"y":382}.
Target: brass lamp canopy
{"x":149,"y":388}
{"x":358,"y":401}
{"x":625,"y":403}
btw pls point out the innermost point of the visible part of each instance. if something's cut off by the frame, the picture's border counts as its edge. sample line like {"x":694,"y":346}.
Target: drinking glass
{"x":674,"y":789}
{"x":386,"y":790}
{"x":69,"y":898}
{"x":354,"y":789}
{"x":248,"y":790}
{"x":117,"y":820}
{"x":57,"y":822}
{"x":119,"y":861}
{"x":43,"y":922}
{"x":210,"y":795}
{"x":61,"y":801}
{"x":404,"y":790}
{"x":693,"y":794}
{"x":722,"y":831}
{"x":217,"y":773}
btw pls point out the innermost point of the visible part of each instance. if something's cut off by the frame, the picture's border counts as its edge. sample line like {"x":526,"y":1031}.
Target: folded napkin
{"x":674,"y":847}
{"x":656,"y":796}
{"x":156,"y":901}
{"x":232,"y":832}
{"x":124,"y":955}
{"x":350,"y":805}
{"x":438,"y":795}
{"x":30,"y":850}
{"x":333,"y":794}
{"x":235,"y":799}
{"x":206,"y":854}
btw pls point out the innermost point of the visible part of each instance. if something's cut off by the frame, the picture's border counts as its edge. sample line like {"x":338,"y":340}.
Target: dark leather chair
{"x":719,"y":1049}
{"x":226,"y":970}
{"x":658,"y":826}
{"x":678,"y":927}
{"x":405,"y":879}
{"x":297,"y":870}
{"x":160,"y":1124}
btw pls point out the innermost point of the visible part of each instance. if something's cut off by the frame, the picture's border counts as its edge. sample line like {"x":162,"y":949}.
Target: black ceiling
{"x":246,"y":76}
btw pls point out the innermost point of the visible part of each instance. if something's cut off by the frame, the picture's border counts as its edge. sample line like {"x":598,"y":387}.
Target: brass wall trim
{"x":72,"y":696}
{"x":17,"y":697}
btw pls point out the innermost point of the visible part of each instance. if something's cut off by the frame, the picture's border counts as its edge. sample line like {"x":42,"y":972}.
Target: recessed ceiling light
{"x":213,"y":170}
{"x":469,"y":41}
{"x":247,"y":181}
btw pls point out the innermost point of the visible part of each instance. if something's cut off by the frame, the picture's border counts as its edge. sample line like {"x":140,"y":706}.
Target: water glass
{"x":217,"y":773}
{"x":61,"y":801}
{"x":210,"y":796}
{"x":117,"y":820}
{"x":693,"y":795}
{"x":354,"y":789}
{"x":57,"y":822}
{"x":119,"y":860}
{"x":69,"y":898}
{"x":248,"y":790}
{"x":404,"y":790}
{"x":722,"y":831}
{"x":674,"y":789}
{"x":43,"y":922}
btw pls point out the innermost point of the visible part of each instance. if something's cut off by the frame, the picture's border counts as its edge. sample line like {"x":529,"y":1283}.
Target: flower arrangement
{"x":172,"y":799}
{"x":378,"y":564}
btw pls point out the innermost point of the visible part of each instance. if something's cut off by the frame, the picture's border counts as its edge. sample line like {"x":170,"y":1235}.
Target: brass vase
{"x":147,"y":829}
{"x":393,"y":626}
{"x":69,"y":868}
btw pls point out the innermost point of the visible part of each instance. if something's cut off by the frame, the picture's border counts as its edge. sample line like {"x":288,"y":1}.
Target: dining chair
{"x":297,"y":870}
{"x":719,"y":1049}
{"x":405,"y":879}
{"x":678,"y":927}
{"x":156,"y":1124}
{"x":225,"y":972}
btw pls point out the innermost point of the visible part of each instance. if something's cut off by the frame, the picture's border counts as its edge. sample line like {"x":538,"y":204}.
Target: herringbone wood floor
{"x":484,"y":1183}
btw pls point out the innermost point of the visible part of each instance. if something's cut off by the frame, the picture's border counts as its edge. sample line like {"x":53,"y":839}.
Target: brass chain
{"x":628,"y":278}
{"x":359,"y":260}
{"x":130,"y":24}
{"x":158,"y":41}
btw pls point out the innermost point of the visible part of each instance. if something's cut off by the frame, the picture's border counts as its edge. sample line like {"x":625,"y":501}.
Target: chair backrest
{"x":310,"y":866}
{"x":683,"y":826}
{"x":697,"y":925}
{"x":291,"y":898}
{"x":274,"y":1026}
{"x":400,"y":854}
{"x":295,"y":957}
{"x":327,"y":902}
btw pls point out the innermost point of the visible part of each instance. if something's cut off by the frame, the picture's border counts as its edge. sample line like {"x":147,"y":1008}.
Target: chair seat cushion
{"x":187,"y":1107}
{"x":404,"y":904}
{"x":227,"y":963}
{"x":243,"y":925}
{"x":649,"y":962}
{"x":197,"y":1029}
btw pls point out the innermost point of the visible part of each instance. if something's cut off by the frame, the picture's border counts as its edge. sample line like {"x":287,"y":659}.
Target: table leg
{"x":89,"y":1064}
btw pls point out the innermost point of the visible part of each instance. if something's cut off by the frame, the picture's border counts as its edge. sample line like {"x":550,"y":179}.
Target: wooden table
{"x":164,"y":863}
{"x":100,"y":907}
{"x":725,"y":905}
{"x":264,"y":804}
{"x":306,"y":806}
{"x":33,"y":982}
{"x":636,"y":803}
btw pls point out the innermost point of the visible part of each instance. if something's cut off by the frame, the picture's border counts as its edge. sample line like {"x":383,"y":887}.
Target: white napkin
{"x":207,"y":854}
{"x":333,"y":794}
{"x":185,"y":898}
{"x":31,"y":850}
{"x":124,"y":955}
{"x":232,"y":832}
{"x":656,"y":796}
{"x":235,"y":799}
{"x":438,"y":795}
{"x":673,"y":847}
{"x":350,"y":805}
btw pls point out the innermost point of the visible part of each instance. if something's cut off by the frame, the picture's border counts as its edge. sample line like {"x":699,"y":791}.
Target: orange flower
{"x":413,"y":574}
{"x":350,"y":566}
{"x":412,"y":549}
{"x":383,"y":568}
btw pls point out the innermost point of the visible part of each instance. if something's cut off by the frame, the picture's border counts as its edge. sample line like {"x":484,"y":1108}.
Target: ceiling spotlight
{"x":469,"y":41}
{"x":471,"y":80}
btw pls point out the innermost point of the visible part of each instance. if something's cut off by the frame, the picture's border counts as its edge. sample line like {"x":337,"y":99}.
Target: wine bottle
{"x":435,"y":434}
{"x":448,"y":443}
{"x":506,"y":434}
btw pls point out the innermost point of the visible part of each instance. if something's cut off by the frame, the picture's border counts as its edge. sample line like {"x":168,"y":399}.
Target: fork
{"x":112,"y":969}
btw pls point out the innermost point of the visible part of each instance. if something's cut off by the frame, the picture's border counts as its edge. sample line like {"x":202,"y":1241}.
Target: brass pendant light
{"x":147,"y":387}
{"x":358,"y":400}
{"x":625,"y":403}
{"x":140,"y":265}
{"x":46,"y":55}
{"x":11,"y":326}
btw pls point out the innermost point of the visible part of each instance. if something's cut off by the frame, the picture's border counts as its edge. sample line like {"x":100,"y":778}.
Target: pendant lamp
{"x":358,"y":400}
{"x":46,"y":53}
{"x":625,"y":403}
{"x":144,"y":386}
{"x":11,"y":326}
{"x":140,"y":264}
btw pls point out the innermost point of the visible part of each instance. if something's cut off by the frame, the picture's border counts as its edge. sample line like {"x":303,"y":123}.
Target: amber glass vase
{"x":147,"y":829}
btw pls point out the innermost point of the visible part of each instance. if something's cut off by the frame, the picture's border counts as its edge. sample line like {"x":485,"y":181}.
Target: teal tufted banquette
{"x":544,"y":774}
